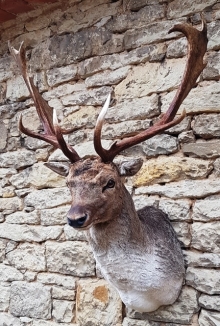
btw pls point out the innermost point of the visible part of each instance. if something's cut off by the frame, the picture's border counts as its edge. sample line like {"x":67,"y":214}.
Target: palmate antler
{"x":197,"y":46}
{"x":53,"y":133}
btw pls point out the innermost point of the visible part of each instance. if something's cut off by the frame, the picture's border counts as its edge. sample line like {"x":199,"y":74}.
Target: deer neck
{"x":121,"y":229}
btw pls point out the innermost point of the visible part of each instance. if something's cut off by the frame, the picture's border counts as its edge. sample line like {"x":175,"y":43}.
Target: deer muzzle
{"x":77,"y":217}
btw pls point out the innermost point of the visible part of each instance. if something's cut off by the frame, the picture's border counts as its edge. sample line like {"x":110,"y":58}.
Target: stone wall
{"x":79,"y":51}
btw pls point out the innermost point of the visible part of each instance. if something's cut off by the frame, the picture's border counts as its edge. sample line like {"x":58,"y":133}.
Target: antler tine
{"x":53,"y":134}
{"x":197,"y":46}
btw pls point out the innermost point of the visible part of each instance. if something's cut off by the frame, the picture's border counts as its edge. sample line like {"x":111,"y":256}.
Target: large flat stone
{"x":70,"y":258}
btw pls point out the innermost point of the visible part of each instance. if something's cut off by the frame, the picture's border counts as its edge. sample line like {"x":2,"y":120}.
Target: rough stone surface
{"x":206,"y":210}
{"x":209,"y":318}
{"x":31,"y":300}
{"x":70,"y":258}
{"x":166,"y":169}
{"x":28,"y":256}
{"x":205,"y":149}
{"x":209,"y":302}
{"x":202,"y":233}
{"x":196,"y":277}
{"x":160,"y":145}
{"x":97,"y":304}
{"x":184,"y":188}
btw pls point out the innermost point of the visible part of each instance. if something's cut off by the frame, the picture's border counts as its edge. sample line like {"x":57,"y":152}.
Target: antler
{"x":197,"y":46}
{"x":53,"y":133}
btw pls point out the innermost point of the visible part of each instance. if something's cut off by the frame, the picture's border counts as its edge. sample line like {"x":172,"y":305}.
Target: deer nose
{"x":78,"y":223}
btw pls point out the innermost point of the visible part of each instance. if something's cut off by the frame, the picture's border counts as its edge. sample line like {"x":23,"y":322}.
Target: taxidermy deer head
{"x":138,"y":252}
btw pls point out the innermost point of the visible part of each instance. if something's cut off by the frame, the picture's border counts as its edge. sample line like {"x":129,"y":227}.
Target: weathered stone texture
{"x":97,"y":304}
{"x":28,"y":256}
{"x":31,"y":300}
{"x":206,"y":210}
{"x":197,"y":277}
{"x":71,"y":258}
{"x":205,"y":236}
{"x":203,"y":149}
{"x":209,"y":318}
{"x":167,"y":169}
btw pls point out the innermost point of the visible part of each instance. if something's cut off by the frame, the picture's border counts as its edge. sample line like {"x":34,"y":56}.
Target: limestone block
{"x":209,"y":318}
{"x":202,"y":259}
{"x":95,"y":96}
{"x":28,"y":256}
{"x":54,"y":216}
{"x":177,"y":48}
{"x":60,"y":75}
{"x":73,"y":234}
{"x":30,"y":300}
{"x":29,"y":233}
{"x":63,"y":311}
{"x":10,"y":159}
{"x":4,"y":296}
{"x":152,"y":52}
{"x":98,"y":304}
{"x":182,"y":230}
{"x":37,"y":176}
{"x":85,"y":116}
{"x":30,"y":119}
{"x":134,"y":322}
{"x":60,"y":293}
{"x":181,"y":189}
{"x":8,"y":320}
{"x":2,"y":250}
{"x":213,"y":35}
{"x":187,"y":137}
{"x":167,"y":169}
{"x":203,"y":149}
{"x":134,"y":109}
{"x":177,"y":210}
{"x":37,"y":23}
{"x":184,"y":125}
{"x":70,"y":257}
{"x":142,"y":201}
{"x":178,"y":8}
{"x":107,"y":77}
{"x":203,"y":99}
{"x":139,"y":81}
{"x":124,"y":129}
{"x":209,"y":302}
{"x":23,"y":218}
{"x":9,"y":274}
{"x":203,"y":279}
{"x":48,"y":198}
{"x":207,"y":210}
{"x":149,"y":14}
{"x":207,"y":125}
{"x":4,"y":135}
{"x":160,"y":145}
{"x":205,"y":236}
{"x":49,"y":323}
{"x":181,"y":312}
{"x":7,"y":172}
{"x":212,"y":70}
{"x":18,"y":93}
{"x":65,"y":281}
{"x":155,"y":32}
{"x":64,"y":89}
{"x":10,"y":205}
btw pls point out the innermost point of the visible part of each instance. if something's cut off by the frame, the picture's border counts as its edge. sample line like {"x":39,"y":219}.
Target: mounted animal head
{"x":95,"y":183}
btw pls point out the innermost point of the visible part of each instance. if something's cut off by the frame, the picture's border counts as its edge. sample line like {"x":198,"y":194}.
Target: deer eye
{"x":110,"y":184}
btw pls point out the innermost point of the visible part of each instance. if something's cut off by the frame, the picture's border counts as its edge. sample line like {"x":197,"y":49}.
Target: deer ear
{"x":129,"y":168}
{"x":58,"y":167}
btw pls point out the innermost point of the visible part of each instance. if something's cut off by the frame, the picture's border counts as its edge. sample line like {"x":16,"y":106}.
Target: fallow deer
{"x":137,"y":252}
